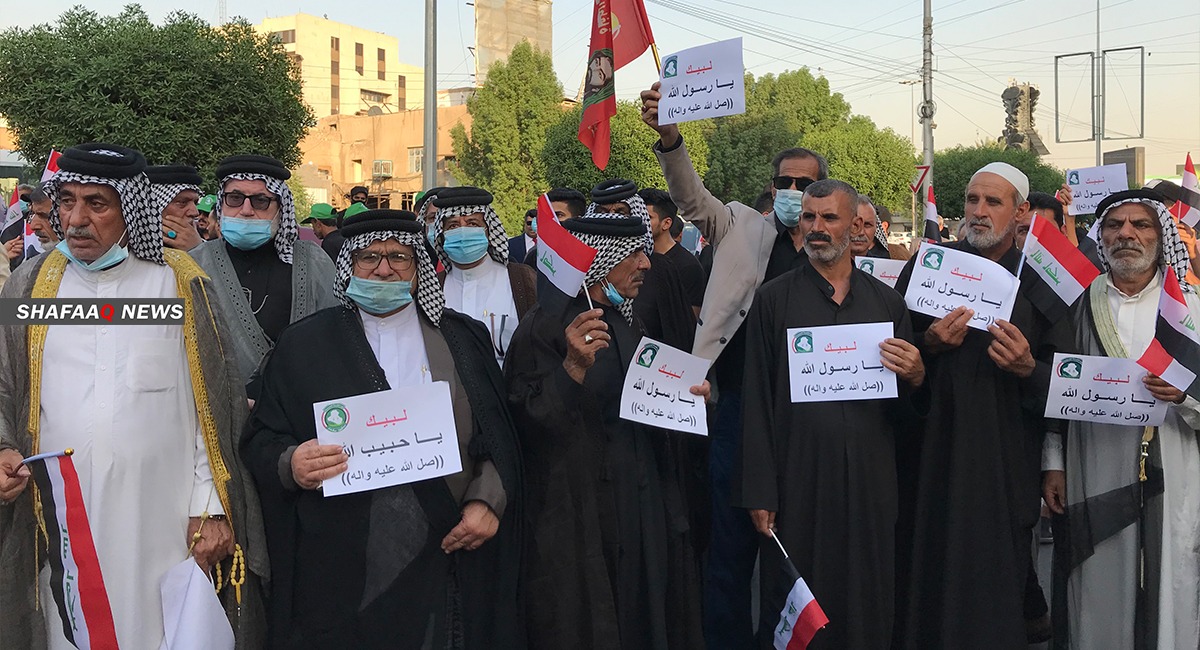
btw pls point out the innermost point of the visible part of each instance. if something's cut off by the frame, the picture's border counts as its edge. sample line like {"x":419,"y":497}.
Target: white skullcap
{"x":1014,"y":176}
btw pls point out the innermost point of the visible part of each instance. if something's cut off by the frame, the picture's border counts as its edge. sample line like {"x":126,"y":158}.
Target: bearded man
{"x":977,"y":486}
{"x":1125,"y":559}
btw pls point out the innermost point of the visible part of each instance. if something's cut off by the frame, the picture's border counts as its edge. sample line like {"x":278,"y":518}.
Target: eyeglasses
{"x":257,"y":201}
{"x":786,"y":182}
{"x":370,"y":261}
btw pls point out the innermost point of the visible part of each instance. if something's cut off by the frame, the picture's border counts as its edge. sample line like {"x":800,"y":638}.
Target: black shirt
{"x":691,"y":274}
{"x":784,"y":258}
{"x":267,"y":282}
{"x":332,"y":244}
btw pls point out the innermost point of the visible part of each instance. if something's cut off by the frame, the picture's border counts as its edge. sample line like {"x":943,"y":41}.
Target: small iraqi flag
{"x":801,"y":616}
{"x":1174,"y":354}
{"x":75,"y":577}
{"x":561,"y":257}
{"x":932,"y":232}
{"x":1187,"y":208}
{"x":51,"y":165}
{"x":1060,"y":272}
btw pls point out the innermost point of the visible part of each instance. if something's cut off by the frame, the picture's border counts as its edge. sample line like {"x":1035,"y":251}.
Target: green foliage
{"x":302,"y":198}
{"x":877,"y":163}
{"x":952,"y":170}
{"x":180,"y":92}
{"x":569,"y":163}
{"x":510,"y":115}
{"x":780,"y":111}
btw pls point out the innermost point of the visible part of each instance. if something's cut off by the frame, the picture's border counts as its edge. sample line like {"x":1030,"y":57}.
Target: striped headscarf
{"x":1173,"y":252}
{"x":122,"y":169}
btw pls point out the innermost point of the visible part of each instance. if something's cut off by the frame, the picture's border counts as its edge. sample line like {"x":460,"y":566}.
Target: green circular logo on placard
{"x":335,"y":417}
{"x":802,"y":342}
{"x":1070,"y":368}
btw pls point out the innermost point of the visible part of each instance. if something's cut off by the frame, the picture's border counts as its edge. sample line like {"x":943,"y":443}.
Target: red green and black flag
{"x":599,"y":89}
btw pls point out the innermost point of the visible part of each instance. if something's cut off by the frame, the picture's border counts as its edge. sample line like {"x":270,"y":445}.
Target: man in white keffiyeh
{"x":480,"y":281}
{"x":1128,"y":496}
{"x":266,"y":277}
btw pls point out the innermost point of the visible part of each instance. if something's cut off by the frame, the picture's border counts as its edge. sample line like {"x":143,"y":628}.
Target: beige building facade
{"x":346,"y":70}
{"x":501,"y":24}
{"x":382,"y":152}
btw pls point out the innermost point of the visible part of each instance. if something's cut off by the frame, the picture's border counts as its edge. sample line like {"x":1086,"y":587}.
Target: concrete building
{"x":347,"y":70}
{"x":382,"y":152}
{"x":501,"y":24}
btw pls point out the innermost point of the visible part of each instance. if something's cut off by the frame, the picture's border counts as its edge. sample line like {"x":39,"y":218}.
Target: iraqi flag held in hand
{"x":75,"y":578}
{"x":561,"y":257}
{"x":801,"y":616}
{"x":1056,"y":273}
{"x":932,"y":232}
{"x":51,"y":165}
{"x":1187,"y":208}
{"x":1174,"y":354}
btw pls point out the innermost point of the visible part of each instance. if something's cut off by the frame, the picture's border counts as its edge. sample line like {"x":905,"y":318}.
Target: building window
{"x":356,"y":170}
{"x":381,"y":60}
{"x":358,"y":58}
{"x":370,"y":96}
{"x":335,"y":99}
{"x":335,"y":76}
{"x":416,"y":156}
{"x":288,"y":36}
{"x":381,"y":169}
{"x":335,"y":43}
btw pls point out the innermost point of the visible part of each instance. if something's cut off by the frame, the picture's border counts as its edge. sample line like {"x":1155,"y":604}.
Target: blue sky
{"x":866,"y":48}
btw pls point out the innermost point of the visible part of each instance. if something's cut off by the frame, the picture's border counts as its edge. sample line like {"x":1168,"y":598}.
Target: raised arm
{"x":707,"y":212}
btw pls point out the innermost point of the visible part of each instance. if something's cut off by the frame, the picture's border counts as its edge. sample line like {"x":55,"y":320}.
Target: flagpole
{"x":589,"y":296}
{"x":50,"y":454}
{"x":780,"y":544}
{"x":657,"y":61}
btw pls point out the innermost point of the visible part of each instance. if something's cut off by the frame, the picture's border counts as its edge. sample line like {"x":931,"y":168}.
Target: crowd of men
{"x":911,"y":519}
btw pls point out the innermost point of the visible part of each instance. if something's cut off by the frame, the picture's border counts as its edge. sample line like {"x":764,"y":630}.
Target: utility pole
{"x":927,"y":108}
{"x":1098,"y":93}
{"x":429,"y":152}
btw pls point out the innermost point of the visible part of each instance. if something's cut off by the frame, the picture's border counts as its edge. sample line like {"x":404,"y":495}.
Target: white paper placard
{"x":886,"y":271}
{"x":657,"y":388}
{"x":839,"y":363}
{"x":945,"y":279}
{"x":1106,"y":390}
{"x":392,"y":437}
{"x":1090,"y":185}
{"x":703,"y":81}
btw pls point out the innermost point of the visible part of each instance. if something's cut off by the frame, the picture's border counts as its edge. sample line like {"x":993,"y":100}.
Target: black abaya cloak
{"x":827,"y":469}
{"x":597,"y":570}
{"x":328,"y":590}
{"x":978,"y":483}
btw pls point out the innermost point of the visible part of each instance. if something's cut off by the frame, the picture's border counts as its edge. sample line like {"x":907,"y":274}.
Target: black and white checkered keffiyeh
{"x":880,"y":235}
{"x":637,"y":208}
{"x":429,"y":298}
{"x":497,"y":241}
{"x":289,"y":231}
{"x":163,"y":194}
{"x":1174,"y":251}
{"x":143,"y":221}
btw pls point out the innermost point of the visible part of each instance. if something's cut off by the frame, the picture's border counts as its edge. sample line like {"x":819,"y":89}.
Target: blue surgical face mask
{"x":247,"y":234}
{"x":431,"y":236}
{"x":533,"y":226}
{"x":379,"y":296}
{"x":613,"y":295}
{"x":787,"y":207}
{"x":112,"y":257}
{"x":465,"y":245}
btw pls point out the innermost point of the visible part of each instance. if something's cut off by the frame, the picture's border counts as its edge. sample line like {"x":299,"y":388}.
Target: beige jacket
{"x":741,"y":238}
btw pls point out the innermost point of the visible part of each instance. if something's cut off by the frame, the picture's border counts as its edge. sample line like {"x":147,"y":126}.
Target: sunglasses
{"x":257,"y":201}
{"x":786,"y":182}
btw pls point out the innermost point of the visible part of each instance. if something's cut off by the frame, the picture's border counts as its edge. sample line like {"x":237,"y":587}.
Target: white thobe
{"x":399,"y":346}
{"x":485,"y":294}
{"x":121,"y":396}
{"x":1179,"y":597}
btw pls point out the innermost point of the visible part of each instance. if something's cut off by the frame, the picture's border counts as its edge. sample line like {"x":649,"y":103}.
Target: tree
{"x":780,"y":111}
{"x":569,"y":163}
{"x":877,"y":163}
{"x":952,"y":170}
{"x":182,"y":92}
{"x":510,"y":115}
